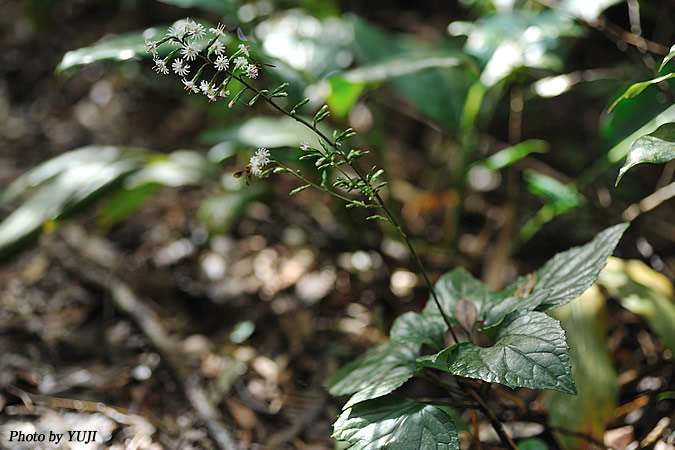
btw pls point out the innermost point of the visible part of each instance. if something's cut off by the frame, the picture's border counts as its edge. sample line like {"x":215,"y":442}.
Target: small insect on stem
{"x":248,"y":171}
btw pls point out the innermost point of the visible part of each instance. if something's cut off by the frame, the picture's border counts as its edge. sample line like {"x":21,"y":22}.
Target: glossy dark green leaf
{"x":395,"y":67}
{"x":654,"y":148}
{"x":278,"y":132}
{"x":125,"y":202}
{"x":379,"y":372}
{"x":568,"y":274}
{"x":428,"y":329}
{"x":637,"y":88}
{"x":395,"y":423}
{"x":667,"y":58}
{"x":529,"y":351}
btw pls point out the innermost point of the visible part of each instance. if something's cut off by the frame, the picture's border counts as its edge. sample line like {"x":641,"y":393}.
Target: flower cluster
{"x":259,"y":160}
{"x":188,"y":35}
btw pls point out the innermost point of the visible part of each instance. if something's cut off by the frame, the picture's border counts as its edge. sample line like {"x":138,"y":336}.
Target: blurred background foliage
{"x":489,"y":117}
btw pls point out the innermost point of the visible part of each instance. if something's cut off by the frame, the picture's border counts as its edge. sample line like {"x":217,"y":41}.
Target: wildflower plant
{"x":527,"y":347}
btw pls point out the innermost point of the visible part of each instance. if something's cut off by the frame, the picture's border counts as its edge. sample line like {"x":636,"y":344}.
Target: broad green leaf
{"x":268,"y":132}
{"x":380,"y":371}
{"x":507,"y":41}
{"x":491,"y":306}
{"x":532,"y":444}
{"x":509,"y":155}
{"x":395,"y":423}
{"x":667,"y":58}
{"x":637,"y":88}
{"x":568,"y":274}
{"x":395,"y":67}
{"x":584,"y":321}
{"x":428,"y":329}
{"x":459,"y":284}
{"x":66,"y":189}
{"x":529,"y":351}
{"x":180,"y":168}
{"x":119,"y":48}
{"x":654,"y":148}
{"x":645,"y":292}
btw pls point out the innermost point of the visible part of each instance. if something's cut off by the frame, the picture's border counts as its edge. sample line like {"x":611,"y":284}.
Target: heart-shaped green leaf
{"x":655,"y":147}
{"x":397,"y":424}
{"x":529,"y":351}
{"x":428,"y":329}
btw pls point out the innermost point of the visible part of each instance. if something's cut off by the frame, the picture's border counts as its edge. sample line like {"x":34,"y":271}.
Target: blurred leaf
{"x":220,"y":212}
{"x":125,"y":202}
{"x":667,"y":58}
{"x":180,"y":168}
{"x":396,"y":423}
{"x":509,"y":155}
{"x":215,"y":6}
{"x":400,"y":66}
{"x":588,"y":10}
{"x":532,"y":444}
{"x":118,"y":48}
{"x":68,"y":184}
{"x":643,"y":291}
{"x":507,"y":41}
{"x":584,"y":320}
{"x":637,"y":88}
{"x":655,"y":147}
{"x":379,"y":372}
{"x":529,"y":351}
{"x":563,"y":197}
{"x":439,"y":94}
{"x":268,"y":132}
{"x":343,"y":95}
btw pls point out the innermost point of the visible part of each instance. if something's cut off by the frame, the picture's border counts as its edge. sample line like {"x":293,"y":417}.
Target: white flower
{"x":304,"y":146}
{"x":252,"y":71}
{"x":204,"y":86}
{"x":224,"y":93}
{"x":219,"y":31}
{"x":211,"y":94}
{"x":244,"y":49}
{"x":259,"y":160}
{"x":190,"y":86}
{"x":160,"y":66}
{"x":218,"y":47}
{"x":180,"y":67}
{"x":151,"y":46}
{"x":231,"y":104}
{"x":197,"y":29}
{"x":240,"y":62}
{"x":190,"y":51}
{"x":222,"y":63}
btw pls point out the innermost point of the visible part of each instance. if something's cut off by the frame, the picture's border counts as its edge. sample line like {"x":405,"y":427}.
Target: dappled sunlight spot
{"x":126,"y":54}
{"x":553,"y":86}
{"x":402,"y":282}
{"x":314,"y":286}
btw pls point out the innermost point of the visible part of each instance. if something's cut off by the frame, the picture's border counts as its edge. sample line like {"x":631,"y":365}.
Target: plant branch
{"x":378,"y":198}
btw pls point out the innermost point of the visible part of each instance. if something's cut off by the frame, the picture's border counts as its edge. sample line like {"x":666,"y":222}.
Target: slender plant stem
{"x":378,"y":198}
